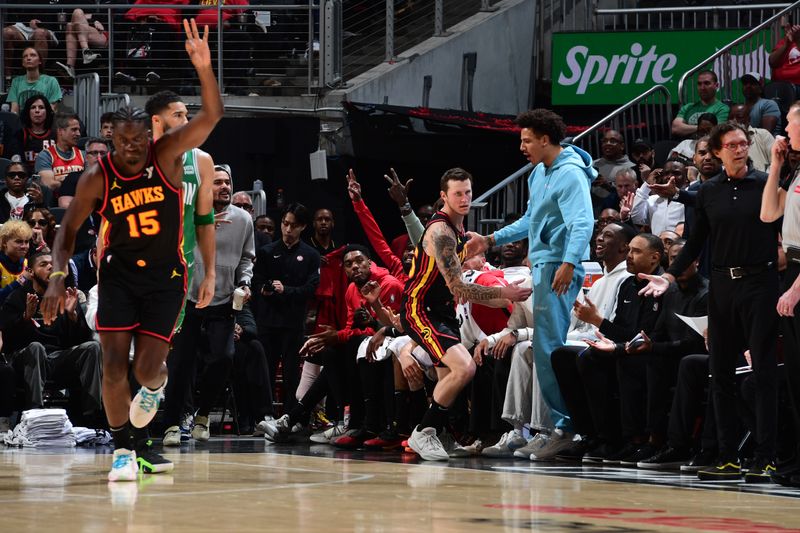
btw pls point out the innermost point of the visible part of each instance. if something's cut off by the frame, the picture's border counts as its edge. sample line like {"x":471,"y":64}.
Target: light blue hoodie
{"x":559,"y":220}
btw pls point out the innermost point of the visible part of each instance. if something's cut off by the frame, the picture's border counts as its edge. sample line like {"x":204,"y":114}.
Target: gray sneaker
{"x":467,"y":451}
{"x":427,"y":445}
{"x":533,"y":446}
{"x":281,"y":428}
{"x":506,"y":446}
{"x":200,"y":431}
{"x":172,"y":436}
{"x":261,"y":427}
{"x":327,"y":436}
{"x":559,"y":442}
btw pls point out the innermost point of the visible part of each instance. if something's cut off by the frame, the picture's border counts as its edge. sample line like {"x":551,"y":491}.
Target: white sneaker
{"x":200,"y":430}
{"x":427,"y":445}
{"x":261,"y":427}
{"x":68,"y":69}
{"x":124,"y":467}
{"x":281,"y":427}
{"x":466,"y":451}
{"x":329,"y":435}
{"x":144,"y":405}
{"x":506,"y":446}
{"x":89,"y":56}
{"x":172,"y":436}
{"x":533,"y":446}
{"x":558,"y":442}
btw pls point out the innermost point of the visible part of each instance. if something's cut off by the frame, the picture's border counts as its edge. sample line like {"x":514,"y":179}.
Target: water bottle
{"x":258,"y":186}
{"x":279,"y":201}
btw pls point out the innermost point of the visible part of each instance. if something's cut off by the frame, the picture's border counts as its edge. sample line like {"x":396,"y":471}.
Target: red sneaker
{"x":387,"y":440}
{"x":353,"y":439}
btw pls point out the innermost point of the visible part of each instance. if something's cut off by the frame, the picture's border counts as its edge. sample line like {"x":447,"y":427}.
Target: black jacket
{"x":298,"y":270}
{"x":672,"y":337}
{"x":634,"y":313}
{"x":19,"y":333}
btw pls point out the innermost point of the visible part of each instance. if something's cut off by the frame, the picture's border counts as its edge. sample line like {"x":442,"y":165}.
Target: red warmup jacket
{"x":330,"y":295}
{"x":378,"y":242}
{"x":391,"y":295}
{"x":173,"y":17}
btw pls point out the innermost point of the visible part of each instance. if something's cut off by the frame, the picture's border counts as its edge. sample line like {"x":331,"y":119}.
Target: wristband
{"x":57,"y":273}
{"x":204,"y":220}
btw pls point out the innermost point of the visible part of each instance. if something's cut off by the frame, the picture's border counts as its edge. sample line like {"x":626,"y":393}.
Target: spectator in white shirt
{"x":660,"y":214}
{"x":761,"y":140}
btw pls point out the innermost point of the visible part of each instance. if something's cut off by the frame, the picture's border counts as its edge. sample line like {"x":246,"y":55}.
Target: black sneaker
{"x":760,"y":471}
{"x":668,"y":458}
{"x":723,"y":470}
{"x":150,"y":462}
{"x":784,"y":474}
{"x":597,"y":454}
{"x":702,"y":459}
{"x":621,"y":453}
{"x":645,"y":451}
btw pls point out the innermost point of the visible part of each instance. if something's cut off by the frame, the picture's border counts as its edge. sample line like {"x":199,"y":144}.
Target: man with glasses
{"x":242,"y":200}
{"x":661,"y":214}
{"x":95,"y":149}
{"x":18,"y":195}
{"x":285,"y":277}
{"x":742,"y":299}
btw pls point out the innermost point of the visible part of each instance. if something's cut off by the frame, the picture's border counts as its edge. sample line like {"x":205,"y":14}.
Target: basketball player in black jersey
{"x":142,"y":276}
{"x":428,"y":313}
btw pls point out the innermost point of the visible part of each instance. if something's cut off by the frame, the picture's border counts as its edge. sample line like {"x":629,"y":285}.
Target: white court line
{"x":356,"y":478}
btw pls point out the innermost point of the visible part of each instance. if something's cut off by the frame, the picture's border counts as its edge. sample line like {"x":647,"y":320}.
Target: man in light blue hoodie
{"x":558,"y":223}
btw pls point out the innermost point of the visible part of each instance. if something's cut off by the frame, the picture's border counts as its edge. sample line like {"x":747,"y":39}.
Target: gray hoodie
{"x":235,"y":254}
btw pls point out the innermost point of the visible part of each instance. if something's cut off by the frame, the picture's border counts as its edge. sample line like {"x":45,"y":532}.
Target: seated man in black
{"x":590,"y":396}
{"x":63,"y":352}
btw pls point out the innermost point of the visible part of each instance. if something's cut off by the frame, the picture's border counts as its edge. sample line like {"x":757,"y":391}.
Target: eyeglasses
{"x":37,"y":222}
{"x":246,"y":207}
{"x":744,"y":145}
{"x":19,"y":175}
{"x":97,"y":153}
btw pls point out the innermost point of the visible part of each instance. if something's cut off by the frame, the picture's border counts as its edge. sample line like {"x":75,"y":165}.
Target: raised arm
{"x":440,"y":243}
{"x":773,"y":199}
{"x":172,"y":145}
{"x":206,"y":234}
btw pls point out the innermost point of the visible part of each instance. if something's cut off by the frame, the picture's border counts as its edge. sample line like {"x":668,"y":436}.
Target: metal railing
{"x":686,"y":17}
{"x":87,"y":100}
{"x":375,"y":32}
{"x":589,"y":15}
{"x":649,"y":116}
{"x":748,"y":53}
{"x":261,"y":49}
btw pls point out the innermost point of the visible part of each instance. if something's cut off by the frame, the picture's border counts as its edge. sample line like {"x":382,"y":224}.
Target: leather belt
{"x":740,"y":272}
{"x":793,"y":254}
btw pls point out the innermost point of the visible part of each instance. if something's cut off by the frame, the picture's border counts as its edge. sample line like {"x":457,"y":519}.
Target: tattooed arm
{"x":440,"y":243}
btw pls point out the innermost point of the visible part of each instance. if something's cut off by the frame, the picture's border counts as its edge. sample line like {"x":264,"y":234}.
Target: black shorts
{"x":144,"y":300}
{"x":436,"y":332}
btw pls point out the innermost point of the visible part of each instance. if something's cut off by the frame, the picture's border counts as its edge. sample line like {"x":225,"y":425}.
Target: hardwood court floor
{"x":235,"y":484}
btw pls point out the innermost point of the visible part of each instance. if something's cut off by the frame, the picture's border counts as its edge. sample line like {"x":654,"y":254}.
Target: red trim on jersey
{"x":135,"y":176}
{"x":156,"y":335}
{"x":124,"y":328}
{"x":105,"y":182}
{"x":166,"y":181}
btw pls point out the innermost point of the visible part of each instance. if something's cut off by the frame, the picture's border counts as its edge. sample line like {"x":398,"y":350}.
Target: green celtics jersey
{"x":191,"y":186}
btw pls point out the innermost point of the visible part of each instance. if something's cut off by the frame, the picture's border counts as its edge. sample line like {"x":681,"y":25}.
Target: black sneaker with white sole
{"x":668,"y":458}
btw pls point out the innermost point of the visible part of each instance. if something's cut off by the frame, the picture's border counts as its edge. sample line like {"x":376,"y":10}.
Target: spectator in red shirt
{"x":236,"y":42}
{"x":784,"y":60}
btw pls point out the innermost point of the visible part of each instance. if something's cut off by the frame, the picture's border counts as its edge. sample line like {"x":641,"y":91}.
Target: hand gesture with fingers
{"x":665,"y":190}
{"x":371,"y":291}
{"x":625,"y":206}
{"x":658,"y":285}
{"x":397,"y":189}
{"x":602,"y":343}
{"x":197,"y":47}
{"x":353,"y":186}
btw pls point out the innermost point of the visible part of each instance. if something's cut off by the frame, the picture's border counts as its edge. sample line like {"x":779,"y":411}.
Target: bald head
{"x":740,"y":114}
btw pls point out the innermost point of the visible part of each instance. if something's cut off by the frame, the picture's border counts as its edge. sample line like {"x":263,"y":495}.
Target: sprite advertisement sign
{"x":614,"y":67}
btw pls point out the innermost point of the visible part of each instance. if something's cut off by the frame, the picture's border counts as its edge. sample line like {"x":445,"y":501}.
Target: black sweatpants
{"x":215,"y":324}
{"x":687,"y":405}
{"x":283,"y":344}
{"x":791,"y":352}
{"x":644,"y":391}
{"x":742,"y":315}
{"x":252,"y":381}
